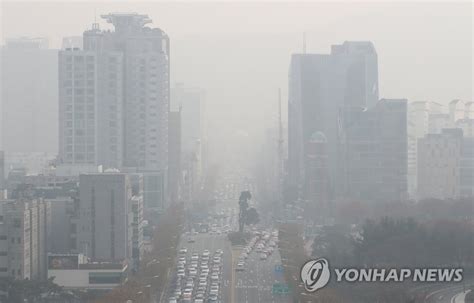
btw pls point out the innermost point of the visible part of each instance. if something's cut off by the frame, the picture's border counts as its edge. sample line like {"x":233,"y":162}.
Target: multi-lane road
{"x":255,"y":283}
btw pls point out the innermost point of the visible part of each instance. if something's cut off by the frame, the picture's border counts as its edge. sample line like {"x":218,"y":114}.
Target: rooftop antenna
{"x":95,"y":25}
{"x":304,"y":42}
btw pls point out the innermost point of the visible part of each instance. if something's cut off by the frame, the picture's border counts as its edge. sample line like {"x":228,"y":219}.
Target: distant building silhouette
{"x":320,"y":87}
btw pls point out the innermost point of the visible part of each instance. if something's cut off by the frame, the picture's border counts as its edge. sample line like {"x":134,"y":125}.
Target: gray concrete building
{"x":438,"y":164}
{"x":418,"y":125}
{"x":64,"y":230}
{"x":104,"y":227}
{"x":23,"y":238}
{"x":320,"y":87}
{"x":376,"y":152}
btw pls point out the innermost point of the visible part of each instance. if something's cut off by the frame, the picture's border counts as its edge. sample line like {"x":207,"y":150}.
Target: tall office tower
{"x":114,"y":96}
{"x":23,"y":233}
{"x":376,"y":151}
{"x":418,"y":118}
{"x":320,"y":87}
{"x":29,"y":96}
{"x":191,"y":103}
{"x":104,"y":228}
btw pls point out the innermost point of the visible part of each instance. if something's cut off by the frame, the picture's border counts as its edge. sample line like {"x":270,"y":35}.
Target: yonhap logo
{"x":315,"y":274}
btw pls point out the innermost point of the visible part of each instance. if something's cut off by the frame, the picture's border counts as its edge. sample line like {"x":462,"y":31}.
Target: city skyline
{"x":425,"y":57}
{"x":231,"y":152}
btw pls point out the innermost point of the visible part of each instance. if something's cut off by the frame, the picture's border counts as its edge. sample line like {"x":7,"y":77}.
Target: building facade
{"x":376,"y":151}
{"x":439,"y":157}
{"x":114,"y":97}
{"x":104,"y":229}
{"x":419,"y":115}
{"x":75,"y":271}
{"x":24,"y":231}
{"x":320,"y":87}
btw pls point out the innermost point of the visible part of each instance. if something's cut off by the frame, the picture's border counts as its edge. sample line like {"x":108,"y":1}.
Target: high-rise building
{"x":90,"y":108}
{"x":320,"y":87}
{"x":376,"y":152}
{"x":418,"y":125}
{"x":104,"y":229}
{"x":114,"y":97}
{"x":29,"y":96}
{"x":190,"y":102}
{"x":439,"y":157}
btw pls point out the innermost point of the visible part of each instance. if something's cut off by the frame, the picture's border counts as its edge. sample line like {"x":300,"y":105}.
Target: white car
{"x":188,"y":293}
{"x":214,"y":290}
{"x":240,"y":266}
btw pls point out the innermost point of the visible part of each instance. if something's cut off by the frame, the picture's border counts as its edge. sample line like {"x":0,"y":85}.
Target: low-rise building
{"x":75,"y":271}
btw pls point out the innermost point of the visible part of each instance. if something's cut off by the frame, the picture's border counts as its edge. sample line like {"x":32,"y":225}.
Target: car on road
{"x":213,"y":298}
{"x":188,"y":293}
{"x":183,"y":251}
{"x":181,"y":273}
{"x":240,"y":266}
{"x":173,"y":300}
{"x":263,"y":256}
{"x":191,"y":240}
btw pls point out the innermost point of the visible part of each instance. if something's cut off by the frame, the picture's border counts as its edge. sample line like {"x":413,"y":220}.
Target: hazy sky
{"x":239,"y":52}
